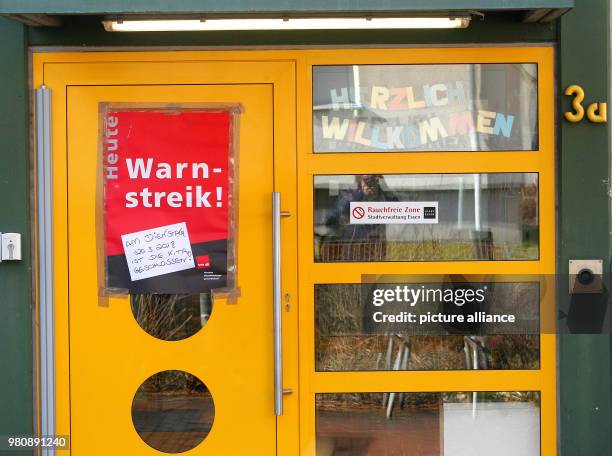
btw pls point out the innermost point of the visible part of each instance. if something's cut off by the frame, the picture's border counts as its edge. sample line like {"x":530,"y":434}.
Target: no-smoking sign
{"x":358,"y":212}
{"x":393,"y":212}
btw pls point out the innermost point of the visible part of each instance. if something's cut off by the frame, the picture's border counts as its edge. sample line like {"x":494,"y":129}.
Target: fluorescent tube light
{"x":167,"y":25}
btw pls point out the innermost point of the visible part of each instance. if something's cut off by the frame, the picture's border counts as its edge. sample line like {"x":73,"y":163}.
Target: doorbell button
{"x":585,"y":276}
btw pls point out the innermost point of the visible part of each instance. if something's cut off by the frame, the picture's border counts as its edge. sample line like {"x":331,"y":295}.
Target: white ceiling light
{"x":168,"y":25}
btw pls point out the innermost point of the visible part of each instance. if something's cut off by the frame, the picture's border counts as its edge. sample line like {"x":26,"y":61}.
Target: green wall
{"x":15,"y":277}
{"x":585,"y":367}
{"x":241,"y":6}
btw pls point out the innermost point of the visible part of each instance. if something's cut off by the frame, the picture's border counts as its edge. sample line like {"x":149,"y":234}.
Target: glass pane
{"x":426,"y":217}
{"x":428,"y":424}
{"x":355,"y":333}
{"x":173,"y":411}
{"x":171,"y":316}
{"x":458,"y":107}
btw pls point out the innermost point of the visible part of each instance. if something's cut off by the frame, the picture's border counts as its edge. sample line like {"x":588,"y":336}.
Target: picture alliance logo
{"x":413,"y":296}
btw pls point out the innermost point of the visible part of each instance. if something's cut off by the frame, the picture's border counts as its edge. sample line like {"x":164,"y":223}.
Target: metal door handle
{"x":278,"y":324}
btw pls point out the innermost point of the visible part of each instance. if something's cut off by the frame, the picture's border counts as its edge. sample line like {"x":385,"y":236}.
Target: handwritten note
{"x":158,"y":251}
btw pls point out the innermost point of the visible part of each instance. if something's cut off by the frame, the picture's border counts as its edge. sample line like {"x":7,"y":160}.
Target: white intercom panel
{"x":10,"y":247}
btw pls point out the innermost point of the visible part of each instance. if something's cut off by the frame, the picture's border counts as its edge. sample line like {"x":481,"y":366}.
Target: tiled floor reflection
{"x":428,"y":424}
{"x":362,"y":433}
{"x":173,"y":411}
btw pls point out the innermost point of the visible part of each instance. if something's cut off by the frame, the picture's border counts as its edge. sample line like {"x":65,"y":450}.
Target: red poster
{"x":166,"y":200}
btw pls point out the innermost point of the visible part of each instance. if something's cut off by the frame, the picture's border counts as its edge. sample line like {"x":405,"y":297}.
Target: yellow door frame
{"x":291,"y":72}
{"x":310,"y":273}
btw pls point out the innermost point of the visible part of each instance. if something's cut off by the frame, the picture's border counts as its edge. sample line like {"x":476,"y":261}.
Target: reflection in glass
{"x":347,"y":338}
{"x":428,"y":424}
{"x":171,"y":316}
{"x":479,"y":217}
{"x":458,"y":107}
{"x":173,"y":411}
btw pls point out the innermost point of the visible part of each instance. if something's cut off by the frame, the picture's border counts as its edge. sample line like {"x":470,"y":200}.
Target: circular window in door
{"x":171,"y":316}
{"x":173,"y":411}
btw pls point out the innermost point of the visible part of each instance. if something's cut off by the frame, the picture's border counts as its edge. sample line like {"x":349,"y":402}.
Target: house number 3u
{"x":595,"y":112}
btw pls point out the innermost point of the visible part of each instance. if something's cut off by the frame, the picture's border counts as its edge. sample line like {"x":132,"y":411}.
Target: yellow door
{"x":173,"y":373}
{"x":362,"y":390}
